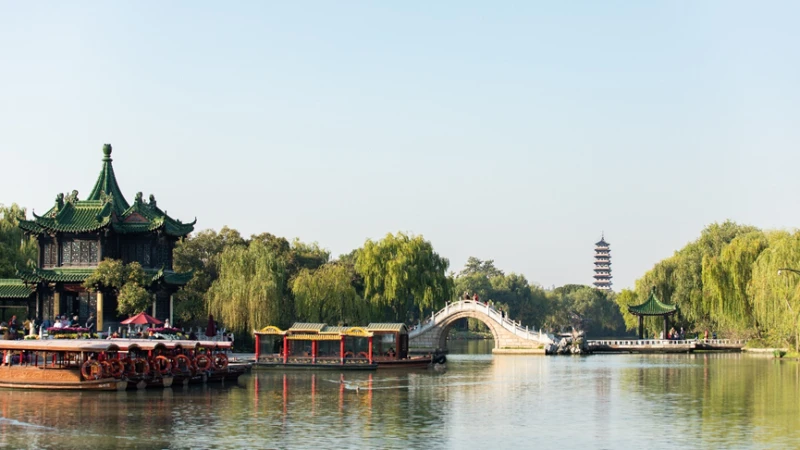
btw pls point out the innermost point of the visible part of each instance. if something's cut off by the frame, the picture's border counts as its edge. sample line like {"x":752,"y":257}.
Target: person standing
{"x":12,"y":327}
{"x":91,"y":323}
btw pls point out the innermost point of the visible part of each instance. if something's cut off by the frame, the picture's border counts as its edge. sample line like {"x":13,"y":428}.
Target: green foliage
{"x":250,"y":290}
{"x":127,"y":281}
{"x":403,"y":272}
{"x":327,"y":295}
{"x":133,"y":299}
{"x":15,"y":249}
{"x":200,"y":254}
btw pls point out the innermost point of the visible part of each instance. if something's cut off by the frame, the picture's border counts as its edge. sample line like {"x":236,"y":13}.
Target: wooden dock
{"x":665,"y":345}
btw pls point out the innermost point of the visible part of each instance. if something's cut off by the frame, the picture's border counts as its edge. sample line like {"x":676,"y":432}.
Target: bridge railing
{"x":497,"y":316}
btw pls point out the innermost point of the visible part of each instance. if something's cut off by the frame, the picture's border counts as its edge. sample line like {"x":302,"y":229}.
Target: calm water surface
{"x":480,"y":401}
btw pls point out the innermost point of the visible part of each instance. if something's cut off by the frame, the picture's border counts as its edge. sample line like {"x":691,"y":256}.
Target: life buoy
{"x":117,"y":368}
{"x":363,"y":355}
{"x":348,"y":354}
{"x":202,"y":361}
{"x":441,"y":359}
{"x":126,"y":361}
{"x":91,"y":370}
{"x":162,"y":364}
{"x":106,"y":368}
{"x":220,"y":361}
{"x":183,"y":363}
{"x":143,"y":363}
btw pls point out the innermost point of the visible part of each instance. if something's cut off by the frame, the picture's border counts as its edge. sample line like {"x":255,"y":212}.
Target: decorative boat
{"x":223,"y":367}
{"x":60,"y":364}
{"x":391,"y":348}
{"x":314,"y":346}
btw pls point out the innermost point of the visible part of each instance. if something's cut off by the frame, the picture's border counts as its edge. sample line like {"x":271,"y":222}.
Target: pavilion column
{"x":666,"y":325}
{"x":56,"y":304}
{"x":171,"y":309}
{"x":641,"y":327}
{"x":369,"y":352}
{"x":154,"y":306}
{"x":285,"y":349}
{"x":314,"y":351}
{"x":99,"y":311}
{"x":258,"y":344}
{"x":341,"y":350}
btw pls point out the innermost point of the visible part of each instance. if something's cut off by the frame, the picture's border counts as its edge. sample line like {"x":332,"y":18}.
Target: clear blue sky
{"x":513,"y":131}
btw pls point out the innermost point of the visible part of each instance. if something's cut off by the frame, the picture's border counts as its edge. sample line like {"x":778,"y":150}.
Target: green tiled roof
{"x":392,"y":327}
{"x":57,"y":275}
{"x":652,"y":307}
{"x":173,"y":278}
{"x":14,"y":288}
{"x":105,"y":207}
{"x":334,"y":329}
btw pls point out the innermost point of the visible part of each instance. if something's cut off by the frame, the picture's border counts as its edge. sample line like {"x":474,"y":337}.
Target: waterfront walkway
{"x":664,"y":345}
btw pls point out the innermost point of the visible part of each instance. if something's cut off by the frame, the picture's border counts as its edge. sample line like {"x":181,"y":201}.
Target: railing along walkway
{"x":488,"y":310}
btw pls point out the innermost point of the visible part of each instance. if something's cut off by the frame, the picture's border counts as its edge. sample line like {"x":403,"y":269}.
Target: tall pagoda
{"x":75,"y":234}
{"x":602,"y":265}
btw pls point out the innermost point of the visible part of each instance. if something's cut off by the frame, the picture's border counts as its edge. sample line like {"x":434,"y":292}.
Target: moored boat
{"x":60,"y":364}
{"x":146,"y":363}
{"x":314,"y":346}
{"x":391,"y":348}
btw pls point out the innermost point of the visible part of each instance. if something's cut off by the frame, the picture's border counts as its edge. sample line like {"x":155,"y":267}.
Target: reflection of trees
{"x":724,"y":398}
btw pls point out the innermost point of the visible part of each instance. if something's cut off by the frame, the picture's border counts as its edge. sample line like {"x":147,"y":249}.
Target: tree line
{"x":729,"y":280}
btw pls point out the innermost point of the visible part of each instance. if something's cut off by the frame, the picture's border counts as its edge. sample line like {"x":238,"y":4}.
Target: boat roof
{"x":216,"y":344}
{"x":60,"y":345}
{"x":388,"y":328}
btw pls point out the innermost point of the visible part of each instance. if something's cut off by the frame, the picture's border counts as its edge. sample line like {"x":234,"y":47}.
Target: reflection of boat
{"x":60,"y":364}
{"x":315,"y":346}
{"x":391,"y":348}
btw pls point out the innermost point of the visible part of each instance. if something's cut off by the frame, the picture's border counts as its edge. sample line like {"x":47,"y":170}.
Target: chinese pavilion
{"x":652,"y":307}
{"x":76,"y":234}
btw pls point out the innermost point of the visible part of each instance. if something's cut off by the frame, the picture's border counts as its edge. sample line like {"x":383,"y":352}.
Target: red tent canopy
{"x":141,"y":319}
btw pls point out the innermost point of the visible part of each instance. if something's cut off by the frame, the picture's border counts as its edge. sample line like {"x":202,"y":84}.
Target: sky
{"x":512,"y":131}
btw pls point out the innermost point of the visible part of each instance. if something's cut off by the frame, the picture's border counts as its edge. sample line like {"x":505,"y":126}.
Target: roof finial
{"x":107,"y":152}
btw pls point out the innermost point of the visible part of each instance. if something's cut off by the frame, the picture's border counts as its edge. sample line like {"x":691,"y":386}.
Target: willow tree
{"x":16,"y":250}
{"x":128,"y":282}
{"x":327,"y":295}
{"x":402,"y":272}
{"x":776,"y":297}
{"x":726,"y":278}
{"x":249,"y":291}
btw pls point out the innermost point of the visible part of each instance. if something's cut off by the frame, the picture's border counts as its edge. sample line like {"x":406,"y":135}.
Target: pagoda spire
{"x":602,"y":264}
{"x":107,"y":184}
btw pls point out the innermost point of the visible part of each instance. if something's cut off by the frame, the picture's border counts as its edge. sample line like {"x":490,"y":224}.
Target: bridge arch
{"x":432,"y":333}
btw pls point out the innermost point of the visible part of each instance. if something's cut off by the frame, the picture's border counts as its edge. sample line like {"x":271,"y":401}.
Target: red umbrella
{"x":141,"y":319}
{"x":211,"y":329}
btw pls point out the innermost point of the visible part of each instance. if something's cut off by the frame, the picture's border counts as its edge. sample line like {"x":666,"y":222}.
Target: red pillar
{"x":258,"y":346}
{"x":285,"y":349}
{"x":314,"y":350}
{"x":341,"y":349}
{"x":370,"y":350}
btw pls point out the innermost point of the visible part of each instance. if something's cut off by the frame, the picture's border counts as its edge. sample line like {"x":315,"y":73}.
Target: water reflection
{"x":603,"y":401}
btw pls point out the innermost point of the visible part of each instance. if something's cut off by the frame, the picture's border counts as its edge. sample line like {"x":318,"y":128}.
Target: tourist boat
{"x":222,"y":365}
{"x":61,"y":364}
{"x":314,"y":346}
{"x":390,"y":348}
{"x":147,"y":363}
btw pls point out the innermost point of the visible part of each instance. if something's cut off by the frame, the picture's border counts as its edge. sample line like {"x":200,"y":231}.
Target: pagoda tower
{"x":602,"y":265}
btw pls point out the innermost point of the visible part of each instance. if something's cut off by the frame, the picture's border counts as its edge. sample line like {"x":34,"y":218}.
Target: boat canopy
{"x":382,"y":328}
{"x":60,"y":345}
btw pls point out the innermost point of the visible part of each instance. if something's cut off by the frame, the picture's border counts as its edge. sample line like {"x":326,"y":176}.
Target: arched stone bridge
{"x":432,"y":333}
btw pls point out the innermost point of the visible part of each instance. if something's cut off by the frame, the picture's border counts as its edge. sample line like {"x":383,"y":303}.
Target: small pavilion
{"x":652,"y":307}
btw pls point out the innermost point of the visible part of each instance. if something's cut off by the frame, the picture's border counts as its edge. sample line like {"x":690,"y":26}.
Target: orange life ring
{"x":187,"y":363}
{"x":91,"y":370}
{"x":363,"y":355}
{"x":348,"y":354}
{"x":145,"y":366}
{"x":117,"y":368}
{"x":202,"y":361}
{"x":220,"y":361}
{"x":106,"y":368}
{"x":162,"y":364}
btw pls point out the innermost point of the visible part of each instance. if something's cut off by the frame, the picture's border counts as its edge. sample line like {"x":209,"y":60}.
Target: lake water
{"x":480,"y":401}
